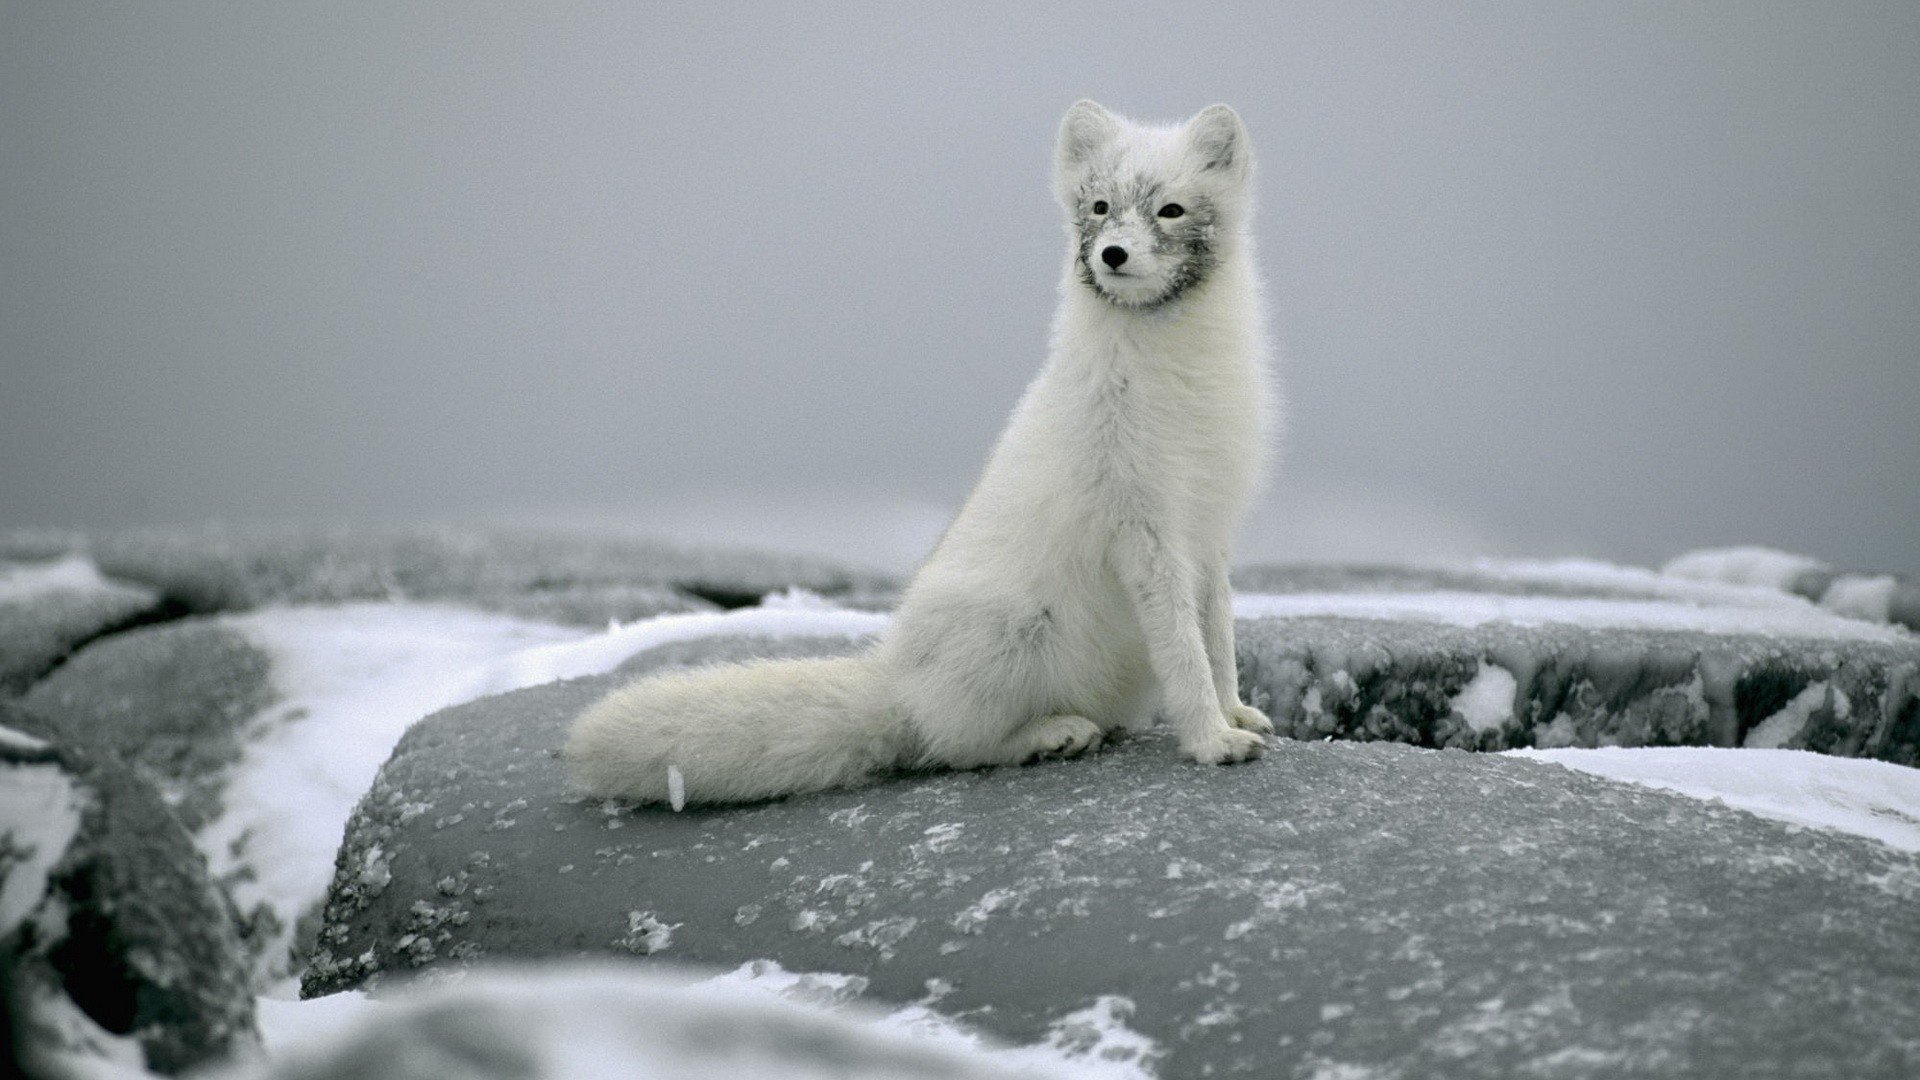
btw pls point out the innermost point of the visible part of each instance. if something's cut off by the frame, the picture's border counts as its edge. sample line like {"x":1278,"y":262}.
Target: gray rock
{"x":37,"y":633}
{"x":583,"y":577}
{"x":1576,"y":686}
{"x":168,"y":700}
{"x":1335,"y":909}
{"x":124,"y":926}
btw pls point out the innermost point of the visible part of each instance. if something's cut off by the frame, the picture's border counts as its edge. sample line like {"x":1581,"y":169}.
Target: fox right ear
{"x":1087,"y":130}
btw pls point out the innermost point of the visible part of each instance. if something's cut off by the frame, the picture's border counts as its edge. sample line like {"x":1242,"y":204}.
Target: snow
{"x":1779,"y":729}
{"x":351,"y":680}
{"x":39,"y":817}
{"x":604,"y":652}
{"x":1743,"y":566}
{"x":25,"y":582}
{"x":289,"y":1025}
{"x":1486,"y":702}
{"x":594,"y":1020}
{"x":21,"y":741}
{"x":1092,"y":1043}
{"x":1780,"y":616}
{"x":70,"y":1045}
{"x":1595,"y":575}
{"x":1874,"y":799}
{"x":1861,"y":596}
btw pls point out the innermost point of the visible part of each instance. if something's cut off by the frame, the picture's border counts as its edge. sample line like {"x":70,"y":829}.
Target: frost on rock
{"x":646,"y":934}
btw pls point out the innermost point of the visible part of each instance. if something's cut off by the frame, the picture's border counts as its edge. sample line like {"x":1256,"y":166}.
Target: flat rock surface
{"x":1337,"y":909}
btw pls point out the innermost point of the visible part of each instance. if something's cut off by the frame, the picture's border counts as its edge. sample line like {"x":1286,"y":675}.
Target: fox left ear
{"x":1218,"y":140}
{"x":1085,"y":133}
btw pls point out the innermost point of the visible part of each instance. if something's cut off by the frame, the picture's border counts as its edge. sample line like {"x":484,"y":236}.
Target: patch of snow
{"x":21,"y":741}
{"x":646,"y":934}
{"x":809,"y":988}
{"x":1602,"y":576}
{"x":351,"y":679}
{"x":1743,"y":566}
{"x":289,"y":1025}
{"x":1561,"y":732}
{"x":1486,"y":702}
{"x":1861,"y":596}
{"x":24,"y":582}
{"x":604,"y":652}
{"x":1781,"y":616}
{"x":1779,"y":729}
{"x":1874,"y":799}
{"x":39,"y":817}
{"x":1093,"y":1043}
{"x":68,"y":1044}
{"x":795,"y":598}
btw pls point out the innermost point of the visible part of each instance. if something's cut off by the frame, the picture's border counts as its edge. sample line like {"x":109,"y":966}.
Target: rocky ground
{"x":241,"y":762}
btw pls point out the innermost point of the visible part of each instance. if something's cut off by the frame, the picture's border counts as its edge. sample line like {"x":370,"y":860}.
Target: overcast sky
{"x":1608,"y":279}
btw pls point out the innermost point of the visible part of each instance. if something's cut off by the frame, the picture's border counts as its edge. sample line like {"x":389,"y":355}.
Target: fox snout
{"x":1113,"y":255}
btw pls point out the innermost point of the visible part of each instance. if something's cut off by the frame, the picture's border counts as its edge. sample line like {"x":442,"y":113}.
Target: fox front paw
{"x":1224,"y":746}
{"x":1248,"y":718}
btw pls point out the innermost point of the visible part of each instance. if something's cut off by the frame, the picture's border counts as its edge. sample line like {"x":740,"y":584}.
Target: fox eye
{"x":1172,"y":210}
{"x":1099,"y":206}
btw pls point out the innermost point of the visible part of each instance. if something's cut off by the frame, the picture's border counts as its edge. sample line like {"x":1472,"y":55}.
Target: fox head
{"x":1151,"y":210}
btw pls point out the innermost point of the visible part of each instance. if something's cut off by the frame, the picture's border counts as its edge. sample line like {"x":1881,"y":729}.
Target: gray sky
{"x":1608,"y":279}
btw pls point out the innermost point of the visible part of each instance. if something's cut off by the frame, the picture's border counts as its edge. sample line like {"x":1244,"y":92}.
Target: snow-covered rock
{"x":1585,"y":654}
{"x":1395,"y":675}
{"x":115,"y":946}
{"x":1334,"y":909}
{"x":1871,"y":596}
{"x":578,"y":577}
{"x":48,"y":607}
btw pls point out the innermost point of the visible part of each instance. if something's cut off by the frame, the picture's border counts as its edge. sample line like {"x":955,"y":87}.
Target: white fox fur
{"x":1084,"y":581}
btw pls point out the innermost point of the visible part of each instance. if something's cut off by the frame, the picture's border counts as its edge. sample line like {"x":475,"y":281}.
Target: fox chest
{"x":1174,"y":446}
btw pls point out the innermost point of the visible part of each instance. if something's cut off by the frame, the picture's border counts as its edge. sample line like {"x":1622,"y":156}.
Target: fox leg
{"x":1160,"y":585}
{"x":1216,"y":617}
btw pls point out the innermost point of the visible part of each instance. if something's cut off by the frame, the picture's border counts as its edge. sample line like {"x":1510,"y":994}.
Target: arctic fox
{"x":1084,"y":581}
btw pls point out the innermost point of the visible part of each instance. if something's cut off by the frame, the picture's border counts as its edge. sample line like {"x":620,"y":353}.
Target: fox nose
{"x":1114,"y":256}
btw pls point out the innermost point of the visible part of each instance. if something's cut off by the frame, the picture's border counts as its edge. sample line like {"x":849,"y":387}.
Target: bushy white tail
{"x":741,"y":732}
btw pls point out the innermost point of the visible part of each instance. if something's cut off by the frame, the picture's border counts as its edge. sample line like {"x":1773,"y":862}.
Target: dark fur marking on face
{"x":1186,"y":242}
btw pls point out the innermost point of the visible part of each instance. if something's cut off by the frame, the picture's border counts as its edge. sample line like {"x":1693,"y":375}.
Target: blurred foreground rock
{"x":619,"y":1022}
{"x":1335,"y":909}
{"x":111,"y":937}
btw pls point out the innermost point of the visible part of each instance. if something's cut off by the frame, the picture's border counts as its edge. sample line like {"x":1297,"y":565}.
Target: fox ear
{"x":1218,"y":140}
{"x":1087,"y":130}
